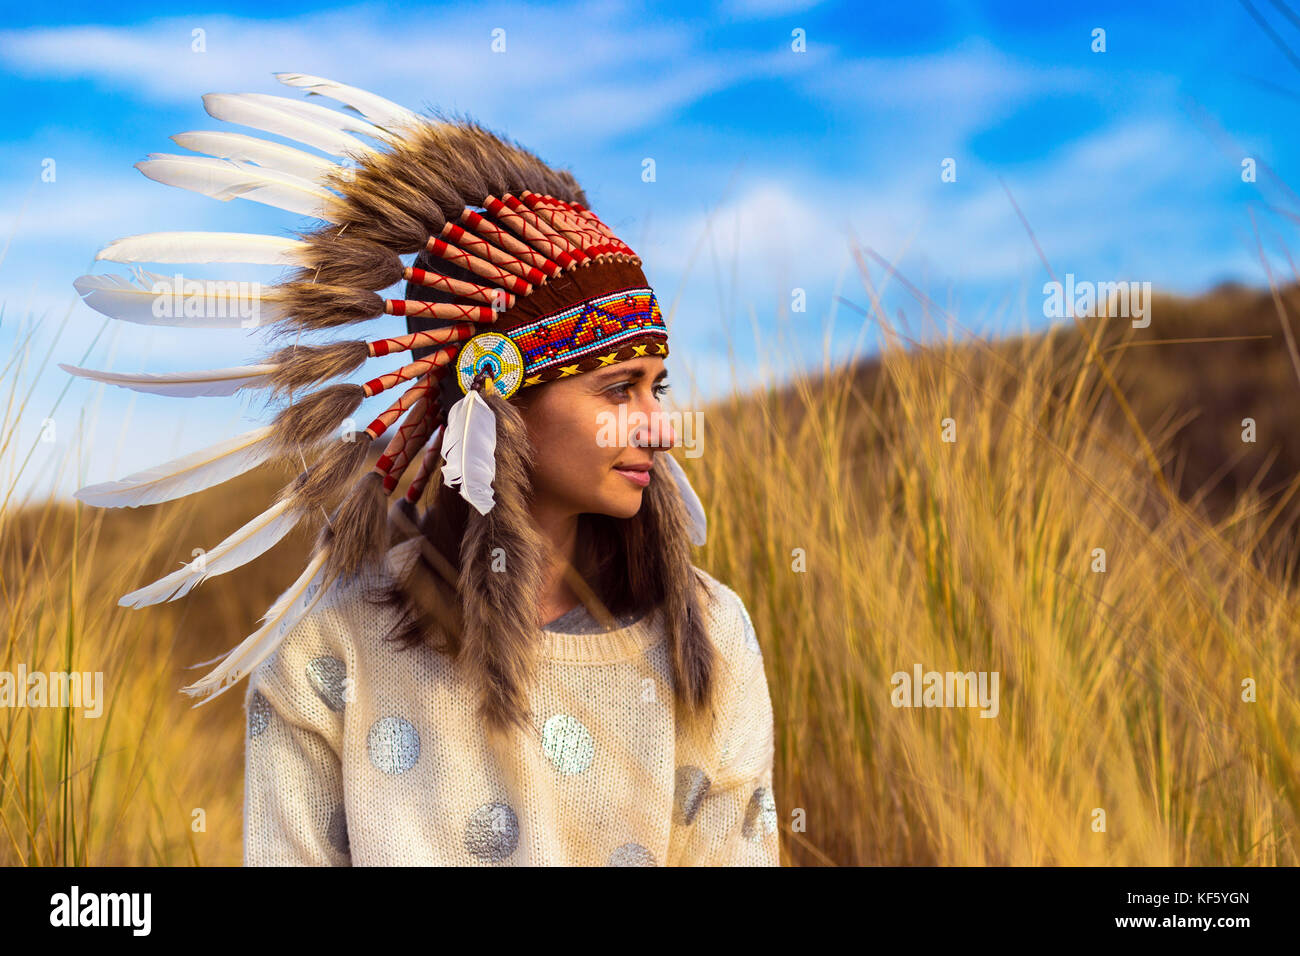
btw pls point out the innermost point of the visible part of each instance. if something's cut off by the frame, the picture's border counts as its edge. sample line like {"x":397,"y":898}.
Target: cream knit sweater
{"x":362,"y":754}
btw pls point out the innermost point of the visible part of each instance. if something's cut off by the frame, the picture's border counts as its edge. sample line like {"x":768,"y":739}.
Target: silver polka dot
{"x":631,"y":854}
{"x":326,"y":675}
{"x":568,"y":744}
{"x":760,"y":815}
{"x":692,"y":787}
{"x":259,"y":714}
{"x":393,"y":744}
{"x":493,"y":832}
{"x":337,"y":831}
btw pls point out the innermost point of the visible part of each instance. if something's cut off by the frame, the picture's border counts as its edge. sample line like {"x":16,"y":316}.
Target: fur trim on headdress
{"x":501,"y":574}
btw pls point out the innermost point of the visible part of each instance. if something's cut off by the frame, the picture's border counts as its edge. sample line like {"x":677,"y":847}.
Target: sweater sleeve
{"x":735,"y":823}
{"x":293,"y":780}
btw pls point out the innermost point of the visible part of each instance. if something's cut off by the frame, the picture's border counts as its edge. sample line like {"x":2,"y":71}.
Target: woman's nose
{"x":658,"y":431}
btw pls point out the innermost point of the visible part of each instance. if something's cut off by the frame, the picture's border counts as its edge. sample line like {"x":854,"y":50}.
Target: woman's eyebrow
{"x":602,"y":379}
{"x":631,"y":374}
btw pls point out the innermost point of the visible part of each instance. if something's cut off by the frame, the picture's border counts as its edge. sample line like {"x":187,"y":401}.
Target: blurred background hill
{"x":1122,"y":689}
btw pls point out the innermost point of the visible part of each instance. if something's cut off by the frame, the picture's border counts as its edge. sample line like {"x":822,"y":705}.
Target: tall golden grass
{"x":1120,"y":690}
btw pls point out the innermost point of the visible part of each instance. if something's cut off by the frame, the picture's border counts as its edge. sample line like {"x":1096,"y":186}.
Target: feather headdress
{"x":550,"y":291}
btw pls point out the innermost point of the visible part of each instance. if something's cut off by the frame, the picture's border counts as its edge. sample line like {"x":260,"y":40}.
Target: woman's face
{"x":595,"y":436}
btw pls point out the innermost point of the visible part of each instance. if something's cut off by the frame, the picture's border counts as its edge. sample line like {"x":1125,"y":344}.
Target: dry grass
{"x":1120,"y":690}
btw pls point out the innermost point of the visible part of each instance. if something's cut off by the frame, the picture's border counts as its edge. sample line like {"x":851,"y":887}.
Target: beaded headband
{"x":554,"y":293}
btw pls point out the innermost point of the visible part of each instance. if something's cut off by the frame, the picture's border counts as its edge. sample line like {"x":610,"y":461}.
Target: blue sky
{"x":1126,"y":163}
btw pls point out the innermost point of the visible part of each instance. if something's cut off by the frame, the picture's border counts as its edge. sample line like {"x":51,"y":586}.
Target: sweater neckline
{"x":601,"y":646}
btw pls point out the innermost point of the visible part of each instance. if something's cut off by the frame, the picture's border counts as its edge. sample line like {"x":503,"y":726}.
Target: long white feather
{"x":290,"y":608}
{"x":271,"y":118}
{"x":694,"y":509}
{"x":251,"y":149}
{"x":226,"y":179}
{"x":469,"y":450}
{"x":208,"y":382}
{"x":250,"y":247}
{"x":335,"y":119}
{"x":183,"y":476}
{"x":249,"y":542}
{"x":373,"y":107}
{"x":153,"y":299}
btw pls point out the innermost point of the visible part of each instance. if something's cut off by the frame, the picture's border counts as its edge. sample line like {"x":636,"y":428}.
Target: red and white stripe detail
{"x":494,"y":233}
{"x":427,"y":465}
{"x":467,"y":260}
{"x":481,"y":247}
{"x":410,"y":438}
{"x":469,"y":290}
{"x":555,"y":247}
{"x":441,"y":310}
{"x":400,"y":407}
{"x":439,"y":359}
{"x":419,"y":340}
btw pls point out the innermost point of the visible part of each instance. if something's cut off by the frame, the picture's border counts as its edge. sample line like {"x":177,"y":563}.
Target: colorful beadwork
{"x":496,"y":354}
{"x":590,"y":329}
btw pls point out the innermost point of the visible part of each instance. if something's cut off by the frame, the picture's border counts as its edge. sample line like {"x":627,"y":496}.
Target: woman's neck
{"x":560,"y":532}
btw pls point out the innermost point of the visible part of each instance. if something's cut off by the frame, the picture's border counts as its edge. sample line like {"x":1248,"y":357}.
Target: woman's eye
{"x":620,"y":390}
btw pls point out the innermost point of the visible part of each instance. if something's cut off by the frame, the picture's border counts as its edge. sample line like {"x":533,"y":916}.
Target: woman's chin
{"x":619,"y":504}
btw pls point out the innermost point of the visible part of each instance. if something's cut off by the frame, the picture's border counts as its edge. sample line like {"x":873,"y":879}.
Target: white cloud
{"x":617,"y":73}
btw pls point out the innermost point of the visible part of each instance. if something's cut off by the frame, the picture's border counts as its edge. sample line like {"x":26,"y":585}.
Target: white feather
{"x":249,"y":542}
{"x":290,"y":608}
{"x":251,"y":149}
{"x":183,"y":476}
{"x":272,"y":118}
{"x":213,"y":381}
{"x":469,"y":450}
{"x":373,"y":107}
{"x":248,"y":247}
{"x":694,"y":509}
{"x":154,"y":299}
{"x":335,"y":119}
{"x":226,"y":179}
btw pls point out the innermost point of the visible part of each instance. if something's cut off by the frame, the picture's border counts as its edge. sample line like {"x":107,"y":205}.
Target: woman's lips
{"x":640,"y":476}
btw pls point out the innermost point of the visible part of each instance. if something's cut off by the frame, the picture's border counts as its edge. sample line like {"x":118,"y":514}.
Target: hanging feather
{"x":373,"y":107}
{"x":215,"y":381}
{"x":469,"y":450}
{"x":186,"y":475}
{"x":248,"y":543}
{"x":227,"y":179}
{"x":247,"y":247}
{"x":154,"y":299}
{"x":694,"y":509}
{"x":251,"y":149}
{"x":334,"y":119}
{"x":269,"y":118}
{"x":290,"y":608}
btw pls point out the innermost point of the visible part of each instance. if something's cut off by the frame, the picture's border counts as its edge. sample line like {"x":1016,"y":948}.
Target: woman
{"x":537,"y":674}
{"x":607,"y":771}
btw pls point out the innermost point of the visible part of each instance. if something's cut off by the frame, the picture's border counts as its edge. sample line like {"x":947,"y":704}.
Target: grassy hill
{"x":1074,"y":510}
